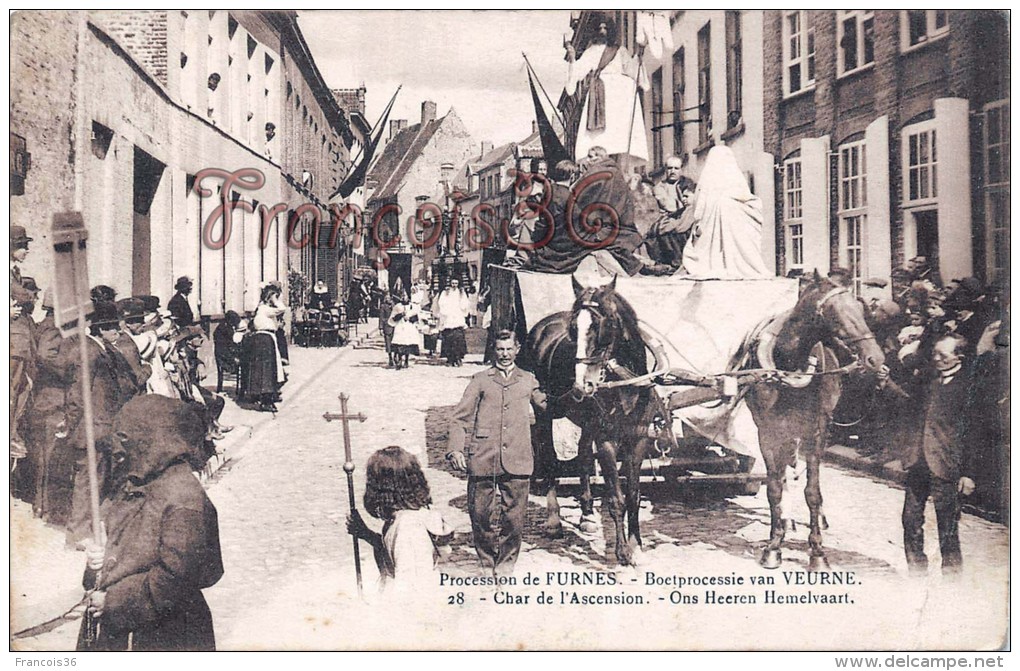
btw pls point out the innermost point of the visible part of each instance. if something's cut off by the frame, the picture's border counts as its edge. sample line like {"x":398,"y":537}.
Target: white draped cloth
{"x":625,"y":121}
{"x":726,"y":226}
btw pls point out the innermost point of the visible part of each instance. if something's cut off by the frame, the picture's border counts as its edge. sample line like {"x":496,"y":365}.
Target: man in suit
{"x":111,"y":386}
{"x":490,"y":438}
{"x":939,"y":463}
{"x":665,"y":242}
{"x":179,"y":306}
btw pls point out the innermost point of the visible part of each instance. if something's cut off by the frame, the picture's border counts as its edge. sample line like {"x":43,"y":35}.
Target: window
{"x":679,"y":83}
{"x":793,"y":211}
{"x":793,"y":189}
{"x":921,"y":164}
{"x":923,"y":25}
{"x":734,"y":70}
{"x":853,"y":249}
{"x":856,"y":40}
{"x":853,"y":178}
{"x":853,"y":204}
{"x":704,"y":83}
{"x":997,"y":214}
{"x":798,"y":53}
{"x":657,"y":149}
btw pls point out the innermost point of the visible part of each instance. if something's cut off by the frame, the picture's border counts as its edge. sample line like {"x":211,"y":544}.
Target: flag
{"x":552,"y":148}
{"x":357,"y":177}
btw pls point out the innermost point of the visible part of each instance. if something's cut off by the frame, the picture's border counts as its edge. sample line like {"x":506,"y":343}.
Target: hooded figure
{"x":725,"y":221}
{"x":163,"y":543}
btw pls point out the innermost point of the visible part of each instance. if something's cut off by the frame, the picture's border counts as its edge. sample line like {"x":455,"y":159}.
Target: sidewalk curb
{"x":849,"y":458}
{"x":229,"y":454}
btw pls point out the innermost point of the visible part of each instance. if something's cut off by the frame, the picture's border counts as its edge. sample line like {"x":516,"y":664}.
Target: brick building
{"x":120,"y":110}
{"x":416,"y":167}
{"x":891,"y":136}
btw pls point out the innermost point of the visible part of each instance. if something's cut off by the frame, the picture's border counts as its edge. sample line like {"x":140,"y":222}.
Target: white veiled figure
{"x":727,"y":223}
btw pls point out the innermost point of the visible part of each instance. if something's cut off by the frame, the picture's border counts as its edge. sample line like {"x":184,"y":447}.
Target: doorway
{"x":147,"y":175}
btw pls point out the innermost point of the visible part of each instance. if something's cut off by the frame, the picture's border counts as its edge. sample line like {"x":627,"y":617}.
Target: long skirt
{"x":258,"y":365}
{"x":454,"y":344}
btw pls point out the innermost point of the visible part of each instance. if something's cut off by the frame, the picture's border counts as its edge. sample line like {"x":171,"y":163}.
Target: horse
{"x":592,"y":363}
{"x":793,"y":408}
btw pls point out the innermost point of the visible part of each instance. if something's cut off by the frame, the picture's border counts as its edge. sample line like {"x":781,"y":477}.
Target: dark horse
{"x":793,"y":410}
{"x":592,"y":363}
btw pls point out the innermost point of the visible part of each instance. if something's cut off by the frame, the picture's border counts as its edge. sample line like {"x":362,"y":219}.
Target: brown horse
{"x":794,"y":410}
{"x":592,"y":363}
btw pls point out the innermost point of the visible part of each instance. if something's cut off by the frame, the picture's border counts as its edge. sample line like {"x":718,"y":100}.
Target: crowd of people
{"x":942,"y":410}
{"x":134,"y":348}
{"x":417,"y":323}
{"x":153,"y":424}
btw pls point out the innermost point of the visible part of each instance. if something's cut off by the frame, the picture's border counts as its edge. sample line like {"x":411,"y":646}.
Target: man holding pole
{"x":496,"y":410}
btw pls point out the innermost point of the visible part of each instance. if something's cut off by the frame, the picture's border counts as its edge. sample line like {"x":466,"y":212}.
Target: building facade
{"x":417,"y":167}
{"x":891,"y":136}
{"x":122,"y":111}
{"x":707,"y":91}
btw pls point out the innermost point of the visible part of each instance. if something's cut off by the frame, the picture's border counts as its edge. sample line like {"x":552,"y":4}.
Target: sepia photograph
{"x":510,"y":330}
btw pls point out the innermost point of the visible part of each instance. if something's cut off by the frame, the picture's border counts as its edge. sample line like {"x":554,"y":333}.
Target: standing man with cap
{"x":490,"y":438}
{"x":179,"y":306}
{"x":24,"y":356}
{"x":48,"y":391}
{"x":22,"y":340}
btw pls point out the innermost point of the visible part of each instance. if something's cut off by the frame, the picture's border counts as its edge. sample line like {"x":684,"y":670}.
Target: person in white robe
{"x":726,"y":223}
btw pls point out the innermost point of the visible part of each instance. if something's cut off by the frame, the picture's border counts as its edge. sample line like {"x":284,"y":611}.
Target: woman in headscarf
{"x":162,"y":545}
{"x":262,"y":370}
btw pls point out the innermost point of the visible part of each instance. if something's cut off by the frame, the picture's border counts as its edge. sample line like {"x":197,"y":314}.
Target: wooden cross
{"x":342,"y":416}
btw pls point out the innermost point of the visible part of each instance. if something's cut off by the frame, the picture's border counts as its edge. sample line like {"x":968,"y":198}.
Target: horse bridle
{"x":603,"y":356}
{"x":819,"y":311}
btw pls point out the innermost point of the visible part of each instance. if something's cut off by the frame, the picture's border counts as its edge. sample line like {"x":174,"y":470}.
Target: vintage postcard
{"x":643,"y":330}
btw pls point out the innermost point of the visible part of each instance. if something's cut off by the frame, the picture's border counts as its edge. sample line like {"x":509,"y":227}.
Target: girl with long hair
{"x":397,"y":493}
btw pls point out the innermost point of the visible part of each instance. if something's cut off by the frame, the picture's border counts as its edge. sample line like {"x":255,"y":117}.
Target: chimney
{"x":486,"y":148}
{"x":397,"y":125}
{"x":534,"y":127}
{"x":428,"y":112}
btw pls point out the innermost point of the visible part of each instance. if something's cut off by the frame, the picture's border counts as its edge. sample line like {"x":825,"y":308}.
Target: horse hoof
{"x":771,"y":559}
{"x":636,"y":556}
{"x":551,"y":531}
{"x":588,"y":525}
{"x":789,"y":525}
{"x":818,"y":563}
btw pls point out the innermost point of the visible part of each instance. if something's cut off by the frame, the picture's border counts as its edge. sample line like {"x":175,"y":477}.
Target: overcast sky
{"x":470,"y":60}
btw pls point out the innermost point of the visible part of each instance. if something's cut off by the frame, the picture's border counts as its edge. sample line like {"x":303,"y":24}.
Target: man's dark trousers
{"x":920,"y":485}
{"x":498,"y":551}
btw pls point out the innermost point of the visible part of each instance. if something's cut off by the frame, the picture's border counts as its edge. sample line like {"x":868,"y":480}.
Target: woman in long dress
{"x":263,"y":371}
{"x":453,"y":307}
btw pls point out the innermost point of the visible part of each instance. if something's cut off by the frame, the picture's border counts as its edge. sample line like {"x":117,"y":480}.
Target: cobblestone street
{"x":289,"y":580}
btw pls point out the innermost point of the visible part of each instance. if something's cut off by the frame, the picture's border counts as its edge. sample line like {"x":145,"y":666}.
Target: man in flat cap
{"x":47,"y":412}
{"x":841,"y":276}
{"x":23,"y":363}
{"x":22,"y":339}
